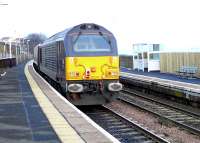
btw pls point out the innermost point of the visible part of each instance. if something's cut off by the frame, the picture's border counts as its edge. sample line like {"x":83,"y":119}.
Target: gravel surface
{"x":169,"y":132}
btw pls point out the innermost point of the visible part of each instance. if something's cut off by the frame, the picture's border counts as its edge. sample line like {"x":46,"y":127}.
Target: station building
{"x":154,"y":57}
{"x":146,"y":57}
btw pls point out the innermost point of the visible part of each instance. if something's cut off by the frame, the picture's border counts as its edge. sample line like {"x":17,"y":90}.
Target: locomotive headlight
{"x":115,"y":86}
{"x":75,"y":88}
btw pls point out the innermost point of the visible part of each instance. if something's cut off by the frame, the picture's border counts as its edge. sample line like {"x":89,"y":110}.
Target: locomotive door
{"x":60,"y":62}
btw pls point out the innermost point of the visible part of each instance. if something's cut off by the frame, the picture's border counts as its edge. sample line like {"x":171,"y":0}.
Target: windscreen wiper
{"x":107,"y":40}
{"x":77,"y":37}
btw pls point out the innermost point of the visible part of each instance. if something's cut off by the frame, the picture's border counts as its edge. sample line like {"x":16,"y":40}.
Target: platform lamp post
{"x":20,"y":48}
{"x":10,"y":50}
{"x":4,"y":50}
{"x":16,"y":51}
{"x":23,"y":50}
{"x":28,"y":48}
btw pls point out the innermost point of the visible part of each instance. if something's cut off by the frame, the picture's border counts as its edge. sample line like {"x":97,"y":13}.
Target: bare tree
{"x":35,"y":39}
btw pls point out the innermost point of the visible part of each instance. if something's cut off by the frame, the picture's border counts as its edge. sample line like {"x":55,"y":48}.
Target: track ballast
{"x":123,"y":129}
{"x":180,"y":117}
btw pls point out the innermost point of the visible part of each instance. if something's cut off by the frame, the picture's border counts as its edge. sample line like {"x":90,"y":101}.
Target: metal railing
{"x":187,"y":71}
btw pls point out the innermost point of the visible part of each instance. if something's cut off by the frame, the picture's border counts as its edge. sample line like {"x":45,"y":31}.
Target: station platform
{"x":32,"y":111}
{"x":188,"y":89}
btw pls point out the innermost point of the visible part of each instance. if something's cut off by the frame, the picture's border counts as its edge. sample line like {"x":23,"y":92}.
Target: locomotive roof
{"x":60,"y":36}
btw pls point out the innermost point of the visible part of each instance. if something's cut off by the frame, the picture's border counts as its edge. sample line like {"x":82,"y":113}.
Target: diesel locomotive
{"x":83,"y":61}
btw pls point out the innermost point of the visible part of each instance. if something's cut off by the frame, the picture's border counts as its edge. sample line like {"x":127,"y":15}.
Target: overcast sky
{"x":173,"y":23}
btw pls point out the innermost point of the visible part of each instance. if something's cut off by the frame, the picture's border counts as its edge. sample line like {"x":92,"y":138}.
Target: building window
{"x":140,"y":56}
{"x":156,"y":47}
{"x":154,"y":56}
{"x":135,"y":57}
{"x":145,"y":55}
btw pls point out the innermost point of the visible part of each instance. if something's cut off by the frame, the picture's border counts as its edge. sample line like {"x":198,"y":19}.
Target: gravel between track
{"x":169,"y":132}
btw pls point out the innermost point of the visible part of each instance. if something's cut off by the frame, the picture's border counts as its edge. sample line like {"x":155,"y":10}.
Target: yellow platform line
{"x":62,"y":128}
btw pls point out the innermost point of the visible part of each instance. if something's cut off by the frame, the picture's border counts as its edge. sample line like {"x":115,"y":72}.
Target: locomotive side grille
{"x":43,"y":55}
{"x":50,"y":59}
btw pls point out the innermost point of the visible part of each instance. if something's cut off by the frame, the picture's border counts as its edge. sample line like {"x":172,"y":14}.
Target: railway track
{"x":185,"y":119}
{"x":123,"y":129}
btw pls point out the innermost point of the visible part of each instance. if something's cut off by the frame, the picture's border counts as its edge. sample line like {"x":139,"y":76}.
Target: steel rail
{"x":163,"y":117}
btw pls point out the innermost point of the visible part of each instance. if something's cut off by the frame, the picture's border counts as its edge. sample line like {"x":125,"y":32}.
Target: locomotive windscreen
{"x":91,"y":43}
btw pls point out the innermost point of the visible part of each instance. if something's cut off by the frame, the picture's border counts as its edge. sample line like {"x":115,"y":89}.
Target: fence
{"x":171,"y":62}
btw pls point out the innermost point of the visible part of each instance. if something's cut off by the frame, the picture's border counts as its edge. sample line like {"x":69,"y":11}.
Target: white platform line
{"x":113,"y":139}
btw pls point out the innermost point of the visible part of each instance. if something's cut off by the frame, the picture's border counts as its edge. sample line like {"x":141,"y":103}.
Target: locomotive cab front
{"x":91,"y":65}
